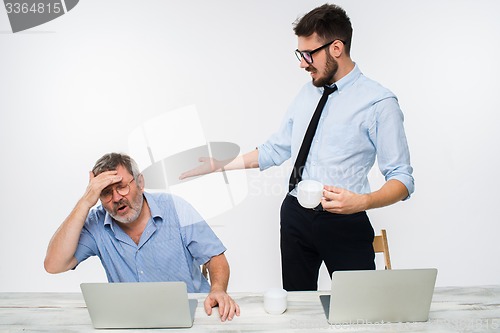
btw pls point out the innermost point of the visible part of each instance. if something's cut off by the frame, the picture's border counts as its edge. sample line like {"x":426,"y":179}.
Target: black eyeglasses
{"x":307,"y":55}
{"x":123,"y":190}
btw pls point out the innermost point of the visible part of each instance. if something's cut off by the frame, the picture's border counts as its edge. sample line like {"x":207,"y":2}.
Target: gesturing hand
{"x":208,"y":165}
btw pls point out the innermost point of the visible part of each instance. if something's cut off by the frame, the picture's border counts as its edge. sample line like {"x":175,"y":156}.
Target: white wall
{"x":74,"y":88}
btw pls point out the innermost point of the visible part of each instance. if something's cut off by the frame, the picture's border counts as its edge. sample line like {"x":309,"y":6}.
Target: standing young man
{"x":334,"y":142}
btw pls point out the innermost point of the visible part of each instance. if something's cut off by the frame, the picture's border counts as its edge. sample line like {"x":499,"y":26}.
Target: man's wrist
{"x":85,"y":204}
{"x":217,"y":288}
{"x":366,"y":201}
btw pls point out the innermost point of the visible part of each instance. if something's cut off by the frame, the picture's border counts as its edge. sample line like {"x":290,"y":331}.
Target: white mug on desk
{"x":275,"y":301}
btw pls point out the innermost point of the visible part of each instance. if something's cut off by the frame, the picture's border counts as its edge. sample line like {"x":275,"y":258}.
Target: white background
{"x":74,"y":88}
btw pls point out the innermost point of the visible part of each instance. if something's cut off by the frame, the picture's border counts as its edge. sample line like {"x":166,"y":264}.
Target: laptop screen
{"x":378,"y":296}
{"x":139,"y":304}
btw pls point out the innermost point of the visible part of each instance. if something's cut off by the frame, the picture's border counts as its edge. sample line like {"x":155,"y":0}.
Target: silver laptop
{"x":380,"y":296}
{"x":139,"y":304}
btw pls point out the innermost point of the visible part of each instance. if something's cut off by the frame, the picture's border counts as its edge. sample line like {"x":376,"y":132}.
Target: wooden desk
{"x":474,"y":309}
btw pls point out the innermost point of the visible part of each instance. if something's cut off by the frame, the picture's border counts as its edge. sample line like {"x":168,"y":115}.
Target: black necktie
{"x":300,"y":162}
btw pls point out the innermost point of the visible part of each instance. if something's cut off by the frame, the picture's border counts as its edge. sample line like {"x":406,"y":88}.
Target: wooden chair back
{"x":380,"y":245}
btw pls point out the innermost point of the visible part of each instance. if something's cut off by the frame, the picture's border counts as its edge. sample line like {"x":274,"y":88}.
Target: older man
{"x":141,"y":237}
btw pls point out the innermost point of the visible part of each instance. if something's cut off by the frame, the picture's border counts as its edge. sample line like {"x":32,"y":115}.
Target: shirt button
{"x":141,"y":272}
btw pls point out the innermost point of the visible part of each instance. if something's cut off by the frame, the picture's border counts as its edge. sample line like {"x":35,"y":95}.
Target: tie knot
{"x":328,"y":90}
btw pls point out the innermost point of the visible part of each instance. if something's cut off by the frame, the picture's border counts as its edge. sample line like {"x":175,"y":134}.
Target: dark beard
{"x":331,"y":68}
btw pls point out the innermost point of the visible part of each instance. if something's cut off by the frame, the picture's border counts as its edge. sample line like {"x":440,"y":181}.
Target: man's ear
{"x":140,"y":181}
{"x":337,"y":48}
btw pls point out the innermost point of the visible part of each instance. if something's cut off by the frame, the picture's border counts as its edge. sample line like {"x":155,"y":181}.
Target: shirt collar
{"x":153,"y":207}
{"x":349,"y":79}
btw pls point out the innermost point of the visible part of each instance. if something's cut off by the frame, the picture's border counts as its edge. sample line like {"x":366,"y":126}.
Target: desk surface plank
{"x":471,"y":309}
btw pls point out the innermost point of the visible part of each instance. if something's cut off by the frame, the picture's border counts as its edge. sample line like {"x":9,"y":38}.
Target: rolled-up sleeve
{"x":277,"y":149}
{"x":389,"y":136}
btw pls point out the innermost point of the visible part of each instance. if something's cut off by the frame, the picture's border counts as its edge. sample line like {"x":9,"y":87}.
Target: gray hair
{"x":111,"y":161}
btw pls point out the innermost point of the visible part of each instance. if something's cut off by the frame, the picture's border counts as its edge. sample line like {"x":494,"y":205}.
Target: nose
{"x":116,"y":196}
{"x":303,"y":63}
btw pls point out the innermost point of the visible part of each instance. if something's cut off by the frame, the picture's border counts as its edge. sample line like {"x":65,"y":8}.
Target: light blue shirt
{"x":360,"y":122}
{"x":175,"y":242}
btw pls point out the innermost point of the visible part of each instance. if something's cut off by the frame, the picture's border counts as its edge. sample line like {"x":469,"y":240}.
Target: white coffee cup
{"x":309,"y":193}
{"x":275,"y":301}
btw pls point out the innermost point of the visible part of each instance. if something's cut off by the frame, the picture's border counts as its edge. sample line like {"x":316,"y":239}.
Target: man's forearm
{"x":249,"y":160}
{"x":218,"y":269}
{"x":391,"y":192}
{"x":62,"y":246}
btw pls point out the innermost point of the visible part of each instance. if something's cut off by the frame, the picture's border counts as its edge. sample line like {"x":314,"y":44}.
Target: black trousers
{"x":308,"y":237}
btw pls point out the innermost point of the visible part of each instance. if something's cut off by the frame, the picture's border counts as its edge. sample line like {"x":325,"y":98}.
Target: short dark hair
{"x":111,"y":161}
{"x":329,"y":22}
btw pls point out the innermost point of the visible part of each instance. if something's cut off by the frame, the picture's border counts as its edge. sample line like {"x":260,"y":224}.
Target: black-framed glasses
{"x":123,"y":190}
{"x":307,"y":55}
